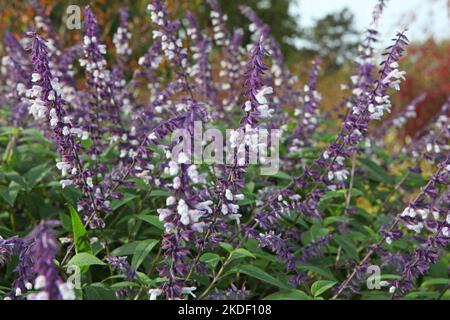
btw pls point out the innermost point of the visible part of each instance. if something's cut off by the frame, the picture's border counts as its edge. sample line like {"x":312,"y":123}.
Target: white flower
{"x":176,"y":183}
{"x":51,"y":96}
{"x":66,"y":131}
{"x":65,"y":183}
{"x":224,"y":209}
{"x":205,"y":205}
{"x":189,"y":290}
{"x":415,"y":227}
{"x":384,"y":283}
{"x":66,"y":290}
{"x":183,"y":158}
{"x":260,"y":95}
{"x":235,"y":137}
{"x":170,"y":201}
{"x":198,"y":226}
{"x":423,"y":213}
{"x":233,"y":207}
{"x":330,"y":175}
{"x":43,"y":295}
{"x":64,"y":167}
{"x":18,"y":292}
{"x":228,"y":195}
{"x":21,"y":88}
{"x":163,"y":213}
{"x":265,"y":111}
{"x":154,"y":293}
{"x":392,"y":289}
{"x":40,"y":282}
{"x":236,"y":217}
{"x":89,"y":182}
{"x":183,"y":211}
{"x":173,"y":168}
{"x":37,"y":109}
{"x":239,"y":196}
{"x":195,"y":215}
{"x":35,"y":77}
{"x":28,"y":285}
{"x":408,"y":212}
{"x":152,"y":136}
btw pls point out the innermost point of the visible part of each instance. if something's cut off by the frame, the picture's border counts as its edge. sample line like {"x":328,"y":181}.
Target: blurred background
{"x":305,"y":29}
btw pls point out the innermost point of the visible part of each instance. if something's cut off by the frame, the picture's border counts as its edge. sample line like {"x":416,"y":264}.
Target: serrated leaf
{"x":142,"y":251}
{"x":321,"y":286}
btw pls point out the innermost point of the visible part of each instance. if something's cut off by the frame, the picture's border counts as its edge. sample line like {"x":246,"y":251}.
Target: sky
{"x":429,"y":17}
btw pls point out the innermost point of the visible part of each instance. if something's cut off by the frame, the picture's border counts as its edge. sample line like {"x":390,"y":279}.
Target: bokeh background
{"x":304,"y":28}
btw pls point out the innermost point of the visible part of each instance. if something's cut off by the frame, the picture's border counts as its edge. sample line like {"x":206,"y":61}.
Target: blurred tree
{"x":333,"y":37}
{"x":284,"y":25}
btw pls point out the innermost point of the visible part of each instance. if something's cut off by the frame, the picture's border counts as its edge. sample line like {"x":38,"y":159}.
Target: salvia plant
{"x":96,"y":204}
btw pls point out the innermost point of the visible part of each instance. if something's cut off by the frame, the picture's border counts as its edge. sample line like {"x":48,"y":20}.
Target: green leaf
{"x":434,"y":282}
{"x":333,"y":219}
{"x":287,"y":295}
{"x":320,"y":270}
{"x":126,"y":249}
{"x":100,"y":291}
{"x":142,"y":251}
{"x":153,"y":220}
{"x":36,"y":174}
{"x":124,"y":284}
{"x":347,"y":246}
{"x":421,"y":295}
{"x":282,"y":175}
{"x":159,"y":193}
{"x":17,"y":178}
{"x":85,"y":259}
{"x":211,"y":259}
{"x":116,"y":204}
{"x":321,"y":286}
{"x":340,"y":194}
{"x":375,"y":171}
{"x":241,"y":253}
{"x":9,"y":194}
{"x":261,"y":275}
{"x":228,"y":247}
{"x":82,"y":243}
